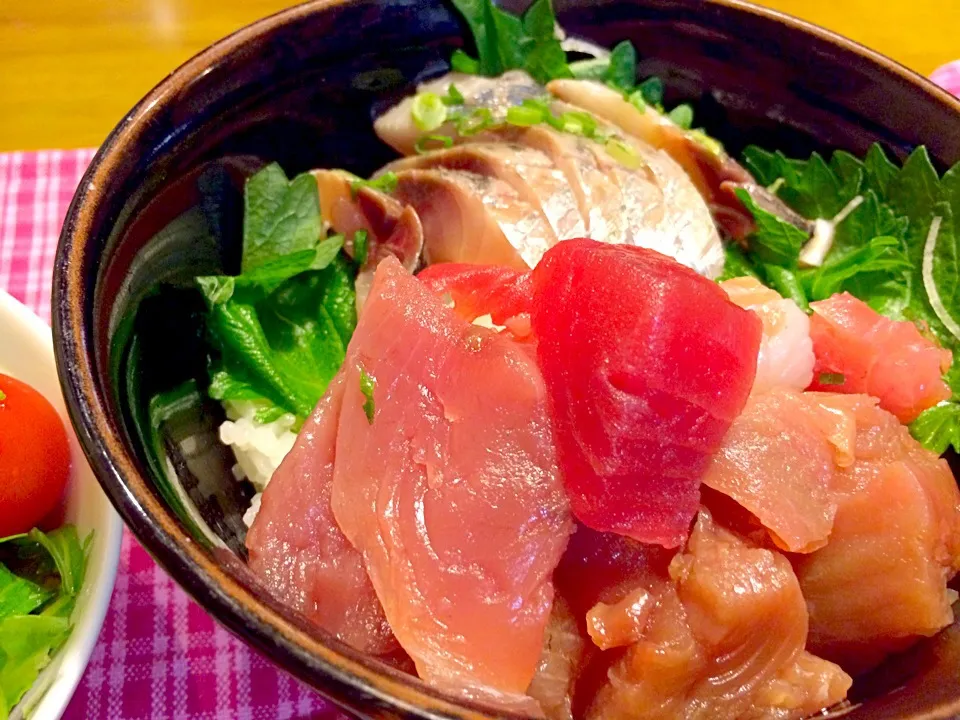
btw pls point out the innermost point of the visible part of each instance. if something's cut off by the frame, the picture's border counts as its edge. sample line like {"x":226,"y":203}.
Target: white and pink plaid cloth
{"x":160,"y":655}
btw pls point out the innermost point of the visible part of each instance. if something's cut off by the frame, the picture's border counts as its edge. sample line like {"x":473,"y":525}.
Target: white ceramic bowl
{"x":26,"y":353}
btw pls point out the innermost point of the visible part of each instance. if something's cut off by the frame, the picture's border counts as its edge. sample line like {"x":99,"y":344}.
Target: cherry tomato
{"x":34,"y":457}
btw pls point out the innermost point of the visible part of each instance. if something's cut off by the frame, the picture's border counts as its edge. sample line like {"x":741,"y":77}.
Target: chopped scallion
{"x":453,"y":96}
{"x":623,"y":153}
{"x":387,"y":182}
{"x":367,"y":385}
{"x":3,"y":395}
{"x":831,"y":379}
{"x":682,"y":115}
{"x":429,"y":111}
{"x":361,"y":247}
{"x":477,"y":121}
{"x":432,"y":142}
{"x":524,"y":116}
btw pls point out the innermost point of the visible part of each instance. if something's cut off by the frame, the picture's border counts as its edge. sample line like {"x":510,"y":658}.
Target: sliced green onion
{"x":651,"y":90}
{"x":682,"y":115}
{"x":623,"y":153}
{"x":831,"y":379}
{"x":367,"y":385}
{"x":579,"y":123}
{"x":384,"y":183}
{"x":524,"y":116}
{"x":461,"y":62}
{"x":3,"y":395}
{"x":453,"y":96}
{"x":637,"y":100}
{"x":477,"y":121}
{"x":712,"y":145}
{"x":428,"y":111}
{"x":432,"y":142}
{"x":361,"y":247}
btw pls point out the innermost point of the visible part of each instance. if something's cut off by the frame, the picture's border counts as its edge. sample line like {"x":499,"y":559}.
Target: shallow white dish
{"x":26,"y":353}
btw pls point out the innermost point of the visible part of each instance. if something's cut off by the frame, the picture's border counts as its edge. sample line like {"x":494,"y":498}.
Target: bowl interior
{"x":163,"y":204}
{"x":27,"y":354}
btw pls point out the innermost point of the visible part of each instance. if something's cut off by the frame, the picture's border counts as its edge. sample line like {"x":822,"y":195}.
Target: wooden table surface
{"x":70,"y":69}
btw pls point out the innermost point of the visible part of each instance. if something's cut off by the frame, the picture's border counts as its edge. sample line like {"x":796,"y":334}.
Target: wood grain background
{"x":70,"y":69}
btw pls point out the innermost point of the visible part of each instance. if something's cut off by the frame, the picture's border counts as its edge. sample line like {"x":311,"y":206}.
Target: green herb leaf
{"x":882,"y":255}
{"x":505,"y":41}
{"x":19,"y":596}
{"x":280,"y":217}
{"x":775,"y":241}
{"x":786,"y":282}
{"x":736,"y":264}
{"x":621,"y":70}
{"x":938,"y":427}
{"x":878,"y":171}
{"x":453,"y":96}
{"x":367,"y":385}
{"x":590,"y":69}
{"x":651,"y":90}
{"x":68,"y":555}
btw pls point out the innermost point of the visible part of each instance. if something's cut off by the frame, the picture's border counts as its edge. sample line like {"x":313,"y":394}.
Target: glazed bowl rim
{"x":351,"y":678}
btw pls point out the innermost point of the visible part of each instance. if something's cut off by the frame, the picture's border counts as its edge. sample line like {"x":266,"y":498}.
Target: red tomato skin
{"x":646,"y":364}
{"x":34,"y":457}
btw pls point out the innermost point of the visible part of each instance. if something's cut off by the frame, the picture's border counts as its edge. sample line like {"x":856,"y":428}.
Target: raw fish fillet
{"x":451,"y":491}
{"x":875,"y":355}
{"x":724,"y":634}
{"x":647,"y":364}
{"x":652,"y":205}
{"x":881,"y":581}
{"x":297,"y":549}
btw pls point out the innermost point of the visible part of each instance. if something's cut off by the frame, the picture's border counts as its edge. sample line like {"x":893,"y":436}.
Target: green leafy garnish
{"x":40,"y":577}
{"x":506,"y":42}
{"x":3,"y":395}
{"x":775,"y":240}
{"x":367,"y":385}
{"x":279,"y":330}
{"x":894,"y":245}
{"x":938,"y":427}
{"x":621,"y":72}
{"x":453,"y":96}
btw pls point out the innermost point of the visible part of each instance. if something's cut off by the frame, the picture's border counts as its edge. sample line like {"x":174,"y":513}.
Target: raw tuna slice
{"x":647,"y":364}
{"x":446,"y":481}
{"x":881,"y":581}
{"x":723,"y":632}
{"x":297,"y":549}
{"x":500,"y":292}
{"x":877,"y":356}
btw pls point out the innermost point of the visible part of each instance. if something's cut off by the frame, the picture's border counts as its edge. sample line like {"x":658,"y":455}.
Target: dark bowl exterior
{"x":301,"y":87}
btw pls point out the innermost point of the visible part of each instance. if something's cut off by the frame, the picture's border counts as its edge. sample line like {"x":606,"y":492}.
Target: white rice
{"x":258,"y":447}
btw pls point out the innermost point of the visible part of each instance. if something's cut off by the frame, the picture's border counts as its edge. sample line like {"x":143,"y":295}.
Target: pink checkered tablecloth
{"x":159,"y":655}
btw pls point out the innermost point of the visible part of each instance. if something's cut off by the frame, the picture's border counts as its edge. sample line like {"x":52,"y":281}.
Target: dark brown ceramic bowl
{"x":301,"y":88}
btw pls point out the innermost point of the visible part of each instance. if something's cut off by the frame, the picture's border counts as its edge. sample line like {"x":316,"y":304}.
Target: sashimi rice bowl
{"x":569,"y":412}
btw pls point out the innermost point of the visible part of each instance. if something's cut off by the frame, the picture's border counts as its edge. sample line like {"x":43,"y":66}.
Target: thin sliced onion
{"x":930,"y":286}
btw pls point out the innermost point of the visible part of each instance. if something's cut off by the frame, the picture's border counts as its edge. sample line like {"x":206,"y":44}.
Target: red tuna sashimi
{"x":722,"y":635}
{"x":877,"y":356}
{"x":297,"y":549}
{"x":881,"y":581}
{"x":647,"y":364}
{"x":451,"y":490}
